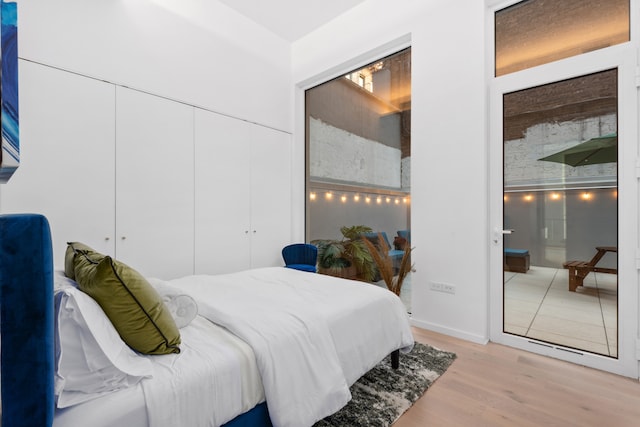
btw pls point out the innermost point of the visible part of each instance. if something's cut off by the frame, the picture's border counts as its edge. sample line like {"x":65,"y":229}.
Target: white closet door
{"x":270,"y":196}
{"x":67,"y":157}
{"x":154,"y":184}
{"x":222,"y":179}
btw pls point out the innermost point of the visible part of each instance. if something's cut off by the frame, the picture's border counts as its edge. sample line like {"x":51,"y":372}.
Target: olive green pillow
{"x":129,"y":301}
{"x":72,"y":249}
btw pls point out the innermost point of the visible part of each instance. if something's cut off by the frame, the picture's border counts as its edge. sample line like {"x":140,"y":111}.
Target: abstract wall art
{"x":10,"y":153}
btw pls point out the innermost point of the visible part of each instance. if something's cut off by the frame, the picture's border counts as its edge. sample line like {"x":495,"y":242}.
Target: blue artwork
{"x":10,"y":153}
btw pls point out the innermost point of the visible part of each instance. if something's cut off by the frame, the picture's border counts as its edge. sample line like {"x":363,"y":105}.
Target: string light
{"x":348,"y":196}
{"x":586,"y":196}
{"x":555,"y":196}
{"x":528,"y":197}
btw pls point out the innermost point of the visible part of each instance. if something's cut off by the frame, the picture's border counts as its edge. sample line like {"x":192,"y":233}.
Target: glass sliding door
{"x":560,"y":151}
{"x":563,"y":187}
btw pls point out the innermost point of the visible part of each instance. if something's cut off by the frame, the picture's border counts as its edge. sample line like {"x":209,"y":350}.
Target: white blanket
{"x":213,"y":379}
{"x":313,"y":335}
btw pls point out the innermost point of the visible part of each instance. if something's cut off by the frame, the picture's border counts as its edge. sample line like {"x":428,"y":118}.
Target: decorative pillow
{"x":72,"y":249}
{"x":129,"y":301}
{"x":183,"y":307}
{"x":91,"y":358}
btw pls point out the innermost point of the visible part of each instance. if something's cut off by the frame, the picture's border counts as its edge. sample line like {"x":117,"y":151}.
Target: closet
{"x":163,"y":186}
{"x":242,"y":194}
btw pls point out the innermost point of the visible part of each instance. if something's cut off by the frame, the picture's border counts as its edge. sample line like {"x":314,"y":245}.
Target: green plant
{"x":336,"y":256}
{"x":385,"y":263}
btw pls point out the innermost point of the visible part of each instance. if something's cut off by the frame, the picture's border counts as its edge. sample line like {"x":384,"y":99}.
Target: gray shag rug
{"x":384,"y":393}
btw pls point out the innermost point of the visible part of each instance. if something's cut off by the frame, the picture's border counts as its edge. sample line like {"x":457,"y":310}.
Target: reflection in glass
{"x":535,"y":32}
{"x":359,"y":151}
{"x":560,"y":197}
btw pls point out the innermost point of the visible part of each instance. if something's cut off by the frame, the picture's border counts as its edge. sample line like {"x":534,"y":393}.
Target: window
{"x":359,"y":150}
{"x":526,"y":36}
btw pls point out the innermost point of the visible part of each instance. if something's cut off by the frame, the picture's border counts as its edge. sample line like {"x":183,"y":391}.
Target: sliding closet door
{"x":154,"y":184}
{"x":67,"y":153}
{"x":270,"y":195}
{"x":242,"y":194}
{"x":222,"y":180}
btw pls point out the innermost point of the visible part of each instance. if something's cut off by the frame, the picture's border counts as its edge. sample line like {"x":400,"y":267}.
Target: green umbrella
{"x":603,"y":149}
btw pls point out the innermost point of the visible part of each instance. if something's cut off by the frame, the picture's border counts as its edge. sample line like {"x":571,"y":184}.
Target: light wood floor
{"x":494,"y":385}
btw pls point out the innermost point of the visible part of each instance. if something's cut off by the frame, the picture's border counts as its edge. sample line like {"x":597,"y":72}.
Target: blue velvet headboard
{"x":27,"y":324}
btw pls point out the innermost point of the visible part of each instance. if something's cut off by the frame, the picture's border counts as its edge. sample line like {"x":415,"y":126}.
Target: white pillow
{"x":183,"y":307}
{"x":91,"y":358}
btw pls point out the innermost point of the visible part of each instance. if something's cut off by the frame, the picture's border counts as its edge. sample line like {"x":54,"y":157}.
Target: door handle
{"x":499,"y":232}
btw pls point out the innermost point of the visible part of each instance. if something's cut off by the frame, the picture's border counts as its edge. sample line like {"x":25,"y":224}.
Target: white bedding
{"x":310,"y":332}
{"x":313,"y":335}
{"x":203,"y":385}
{"x":182,"y":388}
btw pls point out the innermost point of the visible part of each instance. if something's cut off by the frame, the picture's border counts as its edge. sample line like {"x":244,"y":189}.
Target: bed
{"x":270,"y":346}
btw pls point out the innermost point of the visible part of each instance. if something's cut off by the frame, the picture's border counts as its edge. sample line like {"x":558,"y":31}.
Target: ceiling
{"x":291,"y":19}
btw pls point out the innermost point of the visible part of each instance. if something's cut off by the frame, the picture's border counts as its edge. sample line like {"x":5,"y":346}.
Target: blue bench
{"x":516,"y":260}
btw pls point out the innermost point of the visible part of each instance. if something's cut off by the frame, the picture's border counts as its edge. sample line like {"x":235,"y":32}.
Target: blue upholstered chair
{"x":26,"y":299}
{"x":300,"y":256}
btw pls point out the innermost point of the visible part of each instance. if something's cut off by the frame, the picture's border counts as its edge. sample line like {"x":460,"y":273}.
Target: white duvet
{"x":312,"y":335}
{"x":212,"y":380}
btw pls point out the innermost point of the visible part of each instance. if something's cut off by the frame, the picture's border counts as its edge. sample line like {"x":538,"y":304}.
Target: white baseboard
{"x":478,"y":339}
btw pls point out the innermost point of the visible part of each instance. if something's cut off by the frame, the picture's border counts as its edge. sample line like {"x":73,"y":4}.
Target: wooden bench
{"x":578,"y":270}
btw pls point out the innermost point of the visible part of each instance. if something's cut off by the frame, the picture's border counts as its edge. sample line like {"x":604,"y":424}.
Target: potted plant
{"x":386,"y":266}
{"x":349,"y":257}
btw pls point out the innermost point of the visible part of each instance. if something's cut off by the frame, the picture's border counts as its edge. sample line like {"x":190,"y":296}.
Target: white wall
{"x":209,"y":56}
{"x":448,"y":183}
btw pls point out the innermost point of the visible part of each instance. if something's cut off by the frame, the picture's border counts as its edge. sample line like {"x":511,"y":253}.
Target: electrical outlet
{"x":435,"y":286}
{"x":450,"y":289}
{"x":443,"y":287}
